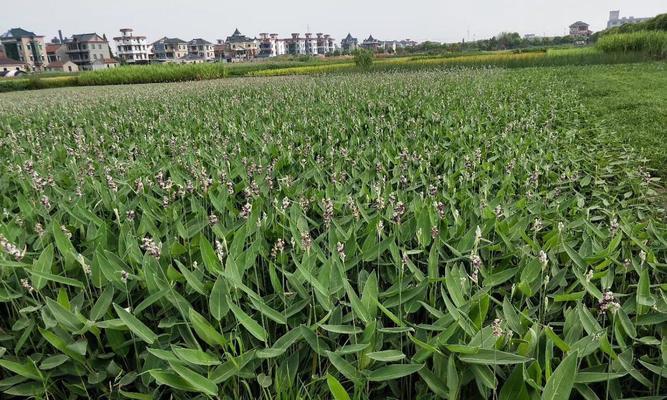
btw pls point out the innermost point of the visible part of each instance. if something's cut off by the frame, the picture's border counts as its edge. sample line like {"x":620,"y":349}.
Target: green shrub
{"x":363,"y":58}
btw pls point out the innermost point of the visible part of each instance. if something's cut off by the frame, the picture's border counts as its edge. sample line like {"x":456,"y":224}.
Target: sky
{"x":435,"y":20}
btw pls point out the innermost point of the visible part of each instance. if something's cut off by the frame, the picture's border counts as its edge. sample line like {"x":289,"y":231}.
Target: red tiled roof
{"x":52,"y":47}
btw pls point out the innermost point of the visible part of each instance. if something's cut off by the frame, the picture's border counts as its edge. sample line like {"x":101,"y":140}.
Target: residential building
{"x":615,"y":19}
{"x":104,"y":63}
{"x":86,"y":48}
{"x":62,"y":66}
{"x":406,"y":43}
{"x":271,"y":46}
{"x":201,"y":49}
{"x":56,"y":52}
{"x":296,"y":45}
{"x":170,"y":49}
{"x":219,"y":50}
{"x":9,"y":64}
{"x":349,"y":44}
{"x":26,"y":47}
{"x":580,"y":28}
{"x":130,"y":48}
{"x":325,"y":44}
{"x":239,"y":47}
{"x":371,"y":44}
{"x":310,"y":45}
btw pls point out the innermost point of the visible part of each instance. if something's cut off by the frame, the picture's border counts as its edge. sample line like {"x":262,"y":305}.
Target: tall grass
{"x":153,"y":74}
{"x":550,"y":58}
{"x":653,"y":43}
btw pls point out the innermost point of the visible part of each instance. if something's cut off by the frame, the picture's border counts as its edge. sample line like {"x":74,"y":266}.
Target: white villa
{"x":130,"y":48}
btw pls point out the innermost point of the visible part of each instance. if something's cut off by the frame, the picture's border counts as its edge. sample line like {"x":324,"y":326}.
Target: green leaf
{"x":205,"y":330}
{"x":232,"y":367}
{"x":58,"y":279}
{"x":493,"y":357}
{"x":136,"y":326}
{"x":26,"y":370}
{"x":198,"y":382}
{"x":344,"y":367}
{"x":170,"y":379}
{"x":53,"y":362}
{"x":643,"y":290}
{"x":394,"y":371}
{"x":560,"y":383}
{"x":102,"y":304}
{"x":196,"y":357}
{"x":556,"y":339}
{"x":192,"y":280}
{"x":591,"y":377}
{"x":435,"y":383}
{"x":337,"y":390}
{"x":662,"y":371}
{"x":342,"y":329}
{"x":217,"y":302}
{"x":43,"y":264}
{"x":626,"y":323}
{"x":514,"y":387}
{"x":269,"y":312}
{"x":211,"y":261}
{"x":63,"y":316}
{"x":386,"y":355}
{"x":250,"y":324}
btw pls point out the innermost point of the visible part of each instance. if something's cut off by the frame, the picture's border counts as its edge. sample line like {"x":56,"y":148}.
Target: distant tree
{"x":508,"y":40}
{"x":363,"y":58}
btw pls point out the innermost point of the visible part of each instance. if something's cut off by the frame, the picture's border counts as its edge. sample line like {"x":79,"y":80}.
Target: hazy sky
{"x":438,"y":20}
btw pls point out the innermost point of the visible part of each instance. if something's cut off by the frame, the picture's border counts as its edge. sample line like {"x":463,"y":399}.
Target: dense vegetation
{"x":363,"y":61}
{"x":630,"y":100}
{"x":458,"y":234}
{"x":653,"y":43}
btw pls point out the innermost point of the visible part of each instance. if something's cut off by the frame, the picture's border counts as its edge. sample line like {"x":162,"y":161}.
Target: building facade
{"x":169,"y":49}
{"x":106,"y":63}
{"x":580,"y":29}
{"x":325,"y":44}
{"x":310,"y":45}
{"x":219,"y":50}
{"x":349,"y":44}
{"x":616,"y":20}
{"x":9,"y":64}
{"x":25,"y":47}
{"x":201,"y":49}
{"x":371,"y":43}
{"x":271,"y":46}
{"x":56,"y":52}
{"x":62,"y":66}
{"x":239,"y":47}
{"x":130,"y":48}
{"x":84,"y":49}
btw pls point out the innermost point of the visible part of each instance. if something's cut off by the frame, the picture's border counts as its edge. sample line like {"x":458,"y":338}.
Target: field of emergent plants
{"x":458,"y":234}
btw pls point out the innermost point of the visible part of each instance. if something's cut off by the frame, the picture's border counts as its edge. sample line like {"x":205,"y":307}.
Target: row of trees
{"x":502,"y":41}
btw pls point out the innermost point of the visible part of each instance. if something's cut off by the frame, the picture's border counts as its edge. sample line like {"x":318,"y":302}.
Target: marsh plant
{"x":461,"y":234}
